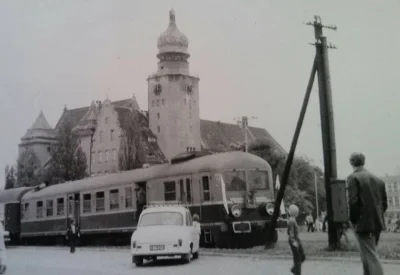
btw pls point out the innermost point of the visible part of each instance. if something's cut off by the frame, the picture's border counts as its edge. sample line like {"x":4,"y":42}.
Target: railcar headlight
{"x":236,"y":210}
{"x":270,"y":208}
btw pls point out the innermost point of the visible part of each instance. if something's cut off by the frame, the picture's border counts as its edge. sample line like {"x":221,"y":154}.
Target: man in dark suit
{"x":367,"y":205}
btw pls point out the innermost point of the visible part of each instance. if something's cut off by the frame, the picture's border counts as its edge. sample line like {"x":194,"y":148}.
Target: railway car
{"x":231,"y":192}
{"x":11,"y":199}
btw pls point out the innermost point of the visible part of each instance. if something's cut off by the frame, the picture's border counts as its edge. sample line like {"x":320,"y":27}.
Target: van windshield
{"x":161,"y":218}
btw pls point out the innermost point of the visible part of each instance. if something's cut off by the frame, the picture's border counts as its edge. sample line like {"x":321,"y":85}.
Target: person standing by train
{"x":367,"y":205}
{"x":72,"y":235}
{"x":196,"y":223}
{"x":140,"y":200}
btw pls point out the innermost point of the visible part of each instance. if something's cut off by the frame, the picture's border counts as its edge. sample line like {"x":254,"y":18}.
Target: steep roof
{"x":40,"y":129}
{"x":215,"y":136}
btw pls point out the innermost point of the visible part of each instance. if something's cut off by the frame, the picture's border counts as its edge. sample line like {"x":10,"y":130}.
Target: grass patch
{"x":316,"y":245}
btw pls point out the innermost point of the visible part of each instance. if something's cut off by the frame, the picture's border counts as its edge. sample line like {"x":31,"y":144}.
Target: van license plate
{"x":157,"y":247}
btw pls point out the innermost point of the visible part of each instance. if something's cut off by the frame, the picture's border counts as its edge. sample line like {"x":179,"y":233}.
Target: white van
{"x":165,"y":231}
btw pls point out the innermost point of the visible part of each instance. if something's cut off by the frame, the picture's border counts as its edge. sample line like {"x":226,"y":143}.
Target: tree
{"x":300,"y":189}
{"x":28,"y":165}
{"x":68,"y":161}
{"x":131,"y":149}
{"x":10,"y":175}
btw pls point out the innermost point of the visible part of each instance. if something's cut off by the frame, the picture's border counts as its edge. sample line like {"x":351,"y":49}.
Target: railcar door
{"x":74,"y":207}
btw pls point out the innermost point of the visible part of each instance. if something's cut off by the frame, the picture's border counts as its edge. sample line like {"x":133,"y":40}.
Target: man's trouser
{"x":369,"y":257}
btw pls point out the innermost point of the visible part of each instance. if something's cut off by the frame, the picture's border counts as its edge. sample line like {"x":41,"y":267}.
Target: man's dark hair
{"x":357,"y":159}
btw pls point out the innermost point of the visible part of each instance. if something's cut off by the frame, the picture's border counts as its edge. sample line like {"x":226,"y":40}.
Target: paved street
{"x":49,"y":261}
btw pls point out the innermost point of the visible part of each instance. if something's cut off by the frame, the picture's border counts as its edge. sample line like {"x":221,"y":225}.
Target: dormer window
{"x":106,"y":120}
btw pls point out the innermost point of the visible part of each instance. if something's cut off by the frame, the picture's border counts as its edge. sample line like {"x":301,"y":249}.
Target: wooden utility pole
{"x":327,"y":122}
{"x":320,"y":65}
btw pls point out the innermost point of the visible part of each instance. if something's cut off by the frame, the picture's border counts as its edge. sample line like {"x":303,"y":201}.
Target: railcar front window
{"x":60,"y":206}
{"x":100,"y":202}
{"x":160,"y":219}
{"x":258,"y":180}
{"x":128,"y":197}
{"x":39,"y":209}
{"x":114,"y":202}
{"x":87,"y":203}
{"x":235,"y":180}
{"x":49,"y":208}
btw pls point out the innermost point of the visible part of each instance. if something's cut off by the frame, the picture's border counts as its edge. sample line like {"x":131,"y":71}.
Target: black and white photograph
{"x":172,"y":137}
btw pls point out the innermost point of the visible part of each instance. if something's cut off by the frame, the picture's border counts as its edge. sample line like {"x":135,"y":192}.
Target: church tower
{"x":173,"y":95}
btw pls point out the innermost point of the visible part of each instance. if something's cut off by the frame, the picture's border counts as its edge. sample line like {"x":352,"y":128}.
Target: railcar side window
{"x":100,"y":202}
{"x":188,"y":190}
{"x":235,"y":180}
{"x":182,"y":190}
{"x":206,"y":188}
{"x":114,"y":202}
{"x":87,"y":203}
{"x":128,"y":197}
{"x":258,"y":180}
{"x":39,"y":209}
{"x":170,"y":191}
{"x":26,"y":211}
{"x":60,"y":206}
{"x":49,"y":208}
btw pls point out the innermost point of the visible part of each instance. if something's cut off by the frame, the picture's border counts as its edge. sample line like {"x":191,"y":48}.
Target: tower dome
{"x":172,"y":40}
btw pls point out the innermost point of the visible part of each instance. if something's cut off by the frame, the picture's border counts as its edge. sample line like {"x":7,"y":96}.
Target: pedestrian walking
{"x":196,"y":223}
{"x":367,"y":203}
{"x":310,"y":223}
{"x":72,"y":235}
{"x":294,"y":240}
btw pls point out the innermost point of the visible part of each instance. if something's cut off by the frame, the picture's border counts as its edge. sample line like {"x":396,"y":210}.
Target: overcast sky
{"x":253,"y":58}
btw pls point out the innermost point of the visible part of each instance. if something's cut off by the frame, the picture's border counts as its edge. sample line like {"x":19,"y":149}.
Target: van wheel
{"x":138,"y":261}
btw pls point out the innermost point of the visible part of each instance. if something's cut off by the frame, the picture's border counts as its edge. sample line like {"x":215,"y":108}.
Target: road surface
{"x":50,"y":260}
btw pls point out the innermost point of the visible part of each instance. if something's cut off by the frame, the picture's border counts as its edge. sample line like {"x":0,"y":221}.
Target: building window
{"x":158,"y":115}
{"x":87,"y":203}
{"x":190,"y":128}
{"x":390,"y":202}
{"x":128,"y":197}
{"x":158,"y":102}
{"x":206,"y":188}
{"x":158,"y":129}
{"x":93,"y":157}
{"x":107,"y":155}
{"x":163,"y":101}
{"x":49,"y":208}
{"x":100,"y":202}
{"x":39,"y":209}
{"x":114,"y":154}
{"x":114,"y":199}
{"x":153,"y":103}
{"x":169,"y":191}
{"x":395,"y":187}
{"x":188,"y":190}
{"x":101,"y":136}
{"x":184,"y":100}
{"x":100,"y":157}
{"x":112,"y":134}
{"x":60,"y":206}
{"x":106,"y":120}
{"x":396,"y":202}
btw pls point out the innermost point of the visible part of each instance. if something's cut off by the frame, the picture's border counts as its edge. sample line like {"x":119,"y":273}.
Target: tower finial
{"x":172,"y":16}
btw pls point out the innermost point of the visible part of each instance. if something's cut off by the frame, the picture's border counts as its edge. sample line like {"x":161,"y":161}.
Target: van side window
{"x":189,"y":219}
{"x":206,"y":188}
{"x":169,"y":190}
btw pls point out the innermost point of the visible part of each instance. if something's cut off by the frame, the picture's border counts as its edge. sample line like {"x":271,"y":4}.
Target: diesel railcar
{"x":231,"y":192}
